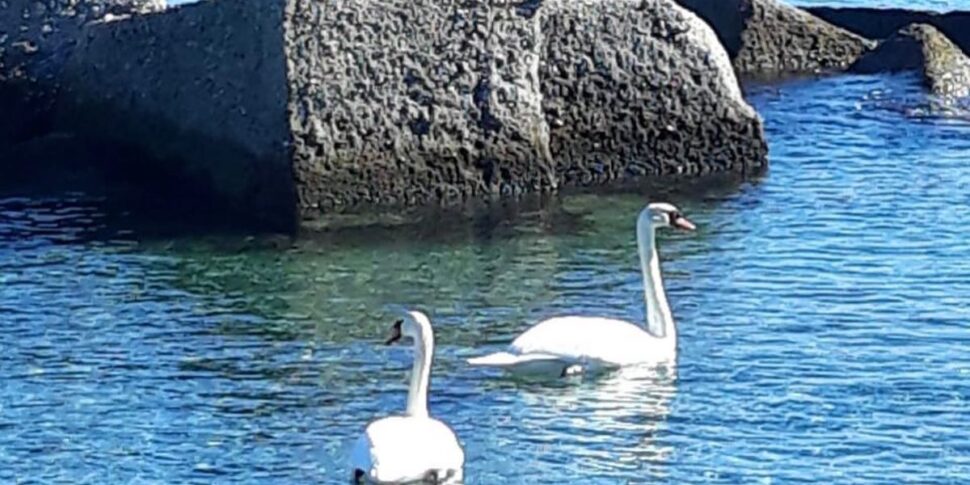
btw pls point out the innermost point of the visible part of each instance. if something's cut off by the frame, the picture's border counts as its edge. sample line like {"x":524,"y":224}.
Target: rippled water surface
{"x":824,"y":313}
{"x":942,"y":5}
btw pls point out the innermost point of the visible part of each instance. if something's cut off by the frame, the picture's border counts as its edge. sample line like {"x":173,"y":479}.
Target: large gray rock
{"x":635,"y":88}
{"x":36,"y":38}
{"x":945,"y":69}
{"x":413,"y":101}
{"x":881,"y":23}
{"x":771,"y":37}
{"x":299,"y":108}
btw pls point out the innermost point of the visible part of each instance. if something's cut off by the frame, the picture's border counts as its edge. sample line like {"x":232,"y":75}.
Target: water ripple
{"x":823,"y":314}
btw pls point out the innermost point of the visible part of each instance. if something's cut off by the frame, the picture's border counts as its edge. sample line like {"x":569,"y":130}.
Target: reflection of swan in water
{"x":573,"y":344}
{"x":609,"y":423}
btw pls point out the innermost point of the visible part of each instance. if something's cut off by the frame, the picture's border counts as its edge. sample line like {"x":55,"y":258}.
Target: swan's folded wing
{"x":505,"y":359}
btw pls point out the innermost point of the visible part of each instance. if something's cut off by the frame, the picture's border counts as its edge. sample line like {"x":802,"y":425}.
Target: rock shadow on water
{"x":136,"y":199}
{"x":563,"y":213}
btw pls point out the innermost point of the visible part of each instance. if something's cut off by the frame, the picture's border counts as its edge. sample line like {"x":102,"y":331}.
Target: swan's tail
{"x":524,"y":364}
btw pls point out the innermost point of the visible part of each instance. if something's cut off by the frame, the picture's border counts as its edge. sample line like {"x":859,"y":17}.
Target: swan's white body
{"x":401,"y":449}
{"x":572,"y":344}
{"x":413,"y":447}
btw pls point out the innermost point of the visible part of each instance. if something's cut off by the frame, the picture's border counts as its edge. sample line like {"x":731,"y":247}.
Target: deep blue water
{"x":943,"y":5}
{"x":824,"y":313}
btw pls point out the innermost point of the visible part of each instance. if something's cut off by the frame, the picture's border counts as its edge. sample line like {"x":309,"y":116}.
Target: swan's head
{"x":662,"y":214}
{"x":414,"y":325}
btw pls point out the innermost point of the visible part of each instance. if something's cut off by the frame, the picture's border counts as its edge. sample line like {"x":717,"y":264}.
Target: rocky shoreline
{"x":289,"y":111}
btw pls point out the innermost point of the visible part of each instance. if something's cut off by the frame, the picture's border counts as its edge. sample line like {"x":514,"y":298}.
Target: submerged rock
{"x":300,"y":108}
{"x":922,"y":48}
{"x":36,"y":38}
{"x":636,"y":88}
{"x":769,"y":37}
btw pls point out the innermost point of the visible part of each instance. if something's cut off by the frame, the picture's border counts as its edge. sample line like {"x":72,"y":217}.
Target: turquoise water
{"x":824,"y":314}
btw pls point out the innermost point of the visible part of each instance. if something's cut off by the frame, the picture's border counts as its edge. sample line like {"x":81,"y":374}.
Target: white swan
{"x":415,"y":446}
{"x":574,"y":344}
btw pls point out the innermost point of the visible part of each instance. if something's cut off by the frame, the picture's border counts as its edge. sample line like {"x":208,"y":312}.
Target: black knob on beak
{"x":395,"y":333}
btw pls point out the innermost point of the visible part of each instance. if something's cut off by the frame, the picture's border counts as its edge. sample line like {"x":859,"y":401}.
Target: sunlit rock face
{"x":641,"y":88}
{"x":412,"y":101}
{"x":296,"y":109}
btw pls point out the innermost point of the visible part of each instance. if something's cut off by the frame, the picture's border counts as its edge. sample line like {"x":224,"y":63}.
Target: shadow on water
{"x":329,"y":284}
{"x":61,"y":170}
{"x":127,"y":192}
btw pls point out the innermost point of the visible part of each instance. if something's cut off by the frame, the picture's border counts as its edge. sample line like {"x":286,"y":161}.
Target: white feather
{"x":408,"y":448}
{"x":561,"y":345}
{"x":400,"y":449}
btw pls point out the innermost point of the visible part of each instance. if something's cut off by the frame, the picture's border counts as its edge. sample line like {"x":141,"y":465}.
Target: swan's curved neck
{"x":421,"y":374}
{"x":660,"y":322}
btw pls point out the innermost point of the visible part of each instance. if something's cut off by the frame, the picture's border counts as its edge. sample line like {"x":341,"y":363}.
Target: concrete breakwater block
{"x":882,"y":23}
{"x":290,"y":109}
{"x":36,"y":38}
{"x":772,"y":37}
{"x":921,"y":48}
{"x":637,"y":88}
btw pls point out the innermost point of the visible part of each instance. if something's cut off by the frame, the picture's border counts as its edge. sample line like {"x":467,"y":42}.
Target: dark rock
{"x":770,"y":37}
{"x":877,"y":23}
{"x":201,"y":91}
{"x":922,"y":48}
{"x":301,"y":108}
{"x":36,"y":38}
{"x":642,"y":88}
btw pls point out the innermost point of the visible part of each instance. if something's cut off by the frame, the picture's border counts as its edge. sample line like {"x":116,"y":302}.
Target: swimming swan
{"x":415,"y":446}
{"x":575,"y":344}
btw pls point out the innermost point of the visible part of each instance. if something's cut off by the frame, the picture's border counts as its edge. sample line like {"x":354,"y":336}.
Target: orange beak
{"x":681,"y":222}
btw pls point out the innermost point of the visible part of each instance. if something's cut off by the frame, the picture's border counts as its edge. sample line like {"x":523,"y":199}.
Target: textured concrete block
{"x":412,"y":101}
{"x":284,"y":109}
{"x":642,"y":88}
{"x":202,"y":91}
{"x":36,"y":38}
{"x":881,"y":23}
{"x":922,"y":48}
{"x":771,"y":37}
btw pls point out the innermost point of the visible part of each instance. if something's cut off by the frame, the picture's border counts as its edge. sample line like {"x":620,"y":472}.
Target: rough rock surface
{"x":922,"y":48}
{"x":637,"y":88}
{"x":771,"y":37}
{"x":287,"y":108}
{"x":36,"y":37}
{"x":411,"y":101}
{"x":202,"y":89}
{"x":878,"y":23}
